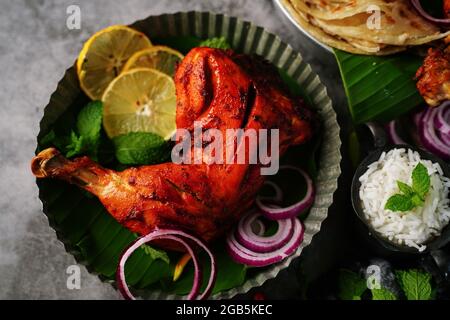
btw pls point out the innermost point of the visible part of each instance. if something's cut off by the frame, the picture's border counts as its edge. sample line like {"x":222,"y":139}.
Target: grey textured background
{"x":35,"y":50}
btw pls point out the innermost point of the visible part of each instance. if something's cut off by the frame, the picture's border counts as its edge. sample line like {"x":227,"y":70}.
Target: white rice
{"x":412,"y":228}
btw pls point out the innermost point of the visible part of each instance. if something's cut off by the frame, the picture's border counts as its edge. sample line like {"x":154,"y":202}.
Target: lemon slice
{"x":160,"y":58}
{"x":140,"y":100}
{"x":104,"y":55}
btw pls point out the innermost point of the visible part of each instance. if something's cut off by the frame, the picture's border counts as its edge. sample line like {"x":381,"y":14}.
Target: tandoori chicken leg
{"x":220,"y":90}
{"x":433,"y":77}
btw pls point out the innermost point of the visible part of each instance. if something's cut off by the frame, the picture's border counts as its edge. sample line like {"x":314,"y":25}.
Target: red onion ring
{"x":175,"y":235}
{"x":242,"y":254}
{"x":278,"y":197}
{"x":417,"y":118}
{"x":418,"y":6}
{"x":276,"y":213}
{"x":123,"y":287}
{"x":441,"y":122}
{"x":393,"y":134}
{"x":258,"y":227}
{"x":257,"y":243}
{"x":447,"y":115}
{"x":429,"y":137}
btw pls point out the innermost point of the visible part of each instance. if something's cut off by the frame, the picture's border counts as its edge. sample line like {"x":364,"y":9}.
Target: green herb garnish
{"x":155,"y":254}
{"x":89,"y":124}
{"x":415,"y":284}
{"x":421,"y":180}
{"x":218,"y":43}
{"x":75,"y":146}
{"x":138,"y":148}
{"x":383,"y":294}
{"x":85,"y":139}
{"x":411,"y":196}
{"x":351,"y":285}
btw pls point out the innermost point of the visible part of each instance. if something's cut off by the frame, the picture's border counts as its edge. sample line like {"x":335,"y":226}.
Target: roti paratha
{"x":343,"y":24}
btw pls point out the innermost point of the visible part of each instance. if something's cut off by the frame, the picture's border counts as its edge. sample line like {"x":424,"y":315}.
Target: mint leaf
{"x":412,"y":196}
{"x":87,"y":138}
{"x":405,"y":189}
{"x":89,"y":125}
{"x":351,"y":285}
{"x":155,"y":253}
{"x":421,"y":180}
{"x":382,"y":294}
{"x":75,"y":146}
{"x":139,"y":148}
{"x":417,"y":200}
{"x":415,"y":283}
{"x":399,"y":202}
{"x":64,"y":143}
{"x":218,"y":43}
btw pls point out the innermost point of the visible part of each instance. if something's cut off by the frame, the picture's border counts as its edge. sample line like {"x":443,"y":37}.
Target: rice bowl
{"x":412,"y":228}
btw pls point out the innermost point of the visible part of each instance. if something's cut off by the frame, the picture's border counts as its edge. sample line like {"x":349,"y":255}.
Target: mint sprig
{"x":351,"y":285}
{"x":85,"y":139}
{"x":421,"y":180}
{"x":383,"y":294}
{"x":411,"y":196}
{"x":399,"y":202}
{"x":416,"y":284}
{"x":218,"y":43}
{"x":405,"y":189}
{"x":139,"y":148}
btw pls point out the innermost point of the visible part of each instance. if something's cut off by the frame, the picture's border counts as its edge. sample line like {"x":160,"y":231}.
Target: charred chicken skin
{"x":446,"y":8}
{"x":434,"y":76}
{"x":222,"y":90}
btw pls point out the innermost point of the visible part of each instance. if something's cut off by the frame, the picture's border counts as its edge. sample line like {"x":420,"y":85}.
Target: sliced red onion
{"x":258,"y":227}
{"x":429,"y":137}
{"x":414,"y":133}
{"x":278,"y":197}
{"x":123,"y":287}
{"x":200,"y":243}
{"x":276,"y":213}
{"x":447,"y":115}
{"x":391,"y":129}
{"x":175,"y":235}
{"x":441,"y":122}
{"x":257,"y":243}
{"x":242,"y":254}
{"x":418,"y":6}
{"x":417,"y":118}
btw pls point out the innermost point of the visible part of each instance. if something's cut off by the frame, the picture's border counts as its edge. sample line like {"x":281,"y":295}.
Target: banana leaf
{"x":379,"y":88}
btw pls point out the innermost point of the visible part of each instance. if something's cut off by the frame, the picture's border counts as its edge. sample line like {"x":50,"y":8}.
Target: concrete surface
{"x":36,"y":48}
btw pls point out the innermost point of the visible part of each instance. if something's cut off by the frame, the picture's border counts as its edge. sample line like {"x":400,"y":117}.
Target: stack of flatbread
{"x":374,"y":27}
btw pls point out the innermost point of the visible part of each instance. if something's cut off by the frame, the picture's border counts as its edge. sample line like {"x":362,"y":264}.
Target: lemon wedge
{"x":160,"y":58}
{"x":104,"y":55}
{"x":140,"y":100}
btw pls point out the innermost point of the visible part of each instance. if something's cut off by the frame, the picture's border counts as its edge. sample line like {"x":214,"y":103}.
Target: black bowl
{"x":386,"y":245}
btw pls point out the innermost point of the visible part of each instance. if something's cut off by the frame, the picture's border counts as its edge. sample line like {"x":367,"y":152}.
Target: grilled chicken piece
{"x":447,"y":9}
{"x":222,"y":90}
{"x":434,"y":76}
